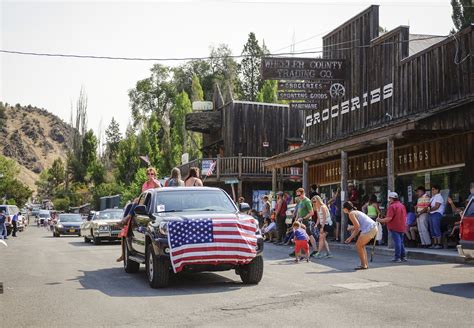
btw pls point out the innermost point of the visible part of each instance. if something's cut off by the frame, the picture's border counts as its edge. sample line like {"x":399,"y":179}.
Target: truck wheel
{"x":96,"y":241}
{"x":129,"y":265}
{"x":252,"y":273}
{"x":157,"y":269}
{"x":86,"y":240}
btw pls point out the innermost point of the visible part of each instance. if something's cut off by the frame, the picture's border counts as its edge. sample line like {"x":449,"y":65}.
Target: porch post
{"x":280,"y":180}
{"x":390,"y":176}
{"x":306,"y":176}
{"x":218,"y":167}
{"x":274,"y":181}
{"x":344,"y":177}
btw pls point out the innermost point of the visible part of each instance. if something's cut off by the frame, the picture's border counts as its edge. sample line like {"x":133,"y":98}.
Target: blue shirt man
{"x":3,"y":227}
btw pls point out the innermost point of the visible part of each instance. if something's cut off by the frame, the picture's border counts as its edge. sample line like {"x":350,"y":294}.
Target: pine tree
{"x":56,"y":173}
{"x":268,"y":92}
{"x":250,"y":68}
{"x":463,"y":13}
{"x":112,"y":138}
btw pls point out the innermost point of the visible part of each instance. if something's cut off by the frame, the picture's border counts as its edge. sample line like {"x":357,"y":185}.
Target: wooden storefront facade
{"x":407,"y":116}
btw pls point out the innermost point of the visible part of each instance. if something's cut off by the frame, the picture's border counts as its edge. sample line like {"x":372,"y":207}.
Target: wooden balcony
{"x":238,"y":167}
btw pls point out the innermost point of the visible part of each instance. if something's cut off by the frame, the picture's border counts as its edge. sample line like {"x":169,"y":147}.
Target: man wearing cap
{"x":396,"y":224}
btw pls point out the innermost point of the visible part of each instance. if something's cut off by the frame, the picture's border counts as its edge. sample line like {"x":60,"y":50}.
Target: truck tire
{"x":86,"y":240}
{"x":129,"y":265}
{"x":252,"y":273}
{"x":157,"y":269}
{"x":97,"y":240}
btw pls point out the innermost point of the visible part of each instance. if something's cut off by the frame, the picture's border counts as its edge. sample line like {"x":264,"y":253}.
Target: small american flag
{"x":212,"y":241}
{"x":211,"y":169}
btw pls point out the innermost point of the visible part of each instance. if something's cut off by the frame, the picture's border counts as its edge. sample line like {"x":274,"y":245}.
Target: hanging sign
{"x":311,"y":69}
{"x":321,"y":86}
{"x":304,"y":106}
{"x":302,"y":95}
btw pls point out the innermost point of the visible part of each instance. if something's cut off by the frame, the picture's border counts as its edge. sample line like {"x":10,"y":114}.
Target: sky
{"x":161,"y":29}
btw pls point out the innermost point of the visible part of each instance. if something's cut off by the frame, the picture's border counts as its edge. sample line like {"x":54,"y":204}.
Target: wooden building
{"x":407,"y":118}
{"x":238,"y":136}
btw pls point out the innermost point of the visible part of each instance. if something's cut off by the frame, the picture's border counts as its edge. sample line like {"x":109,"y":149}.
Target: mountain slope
{"x":34,"y":138}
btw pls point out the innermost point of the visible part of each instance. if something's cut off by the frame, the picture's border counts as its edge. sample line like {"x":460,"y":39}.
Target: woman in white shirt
{"x":436,"y":210}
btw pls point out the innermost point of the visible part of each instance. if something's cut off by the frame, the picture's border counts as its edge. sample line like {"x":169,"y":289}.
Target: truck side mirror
{"x":140,"y":209}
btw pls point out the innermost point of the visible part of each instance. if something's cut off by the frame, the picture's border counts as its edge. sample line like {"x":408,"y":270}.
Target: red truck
{"x":466,"y":232}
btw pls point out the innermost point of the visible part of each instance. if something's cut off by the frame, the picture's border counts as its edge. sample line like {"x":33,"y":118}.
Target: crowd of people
{"x":320,"y":219}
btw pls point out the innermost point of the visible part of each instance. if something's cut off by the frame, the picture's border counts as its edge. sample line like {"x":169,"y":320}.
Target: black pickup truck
{"x":192,"y":229}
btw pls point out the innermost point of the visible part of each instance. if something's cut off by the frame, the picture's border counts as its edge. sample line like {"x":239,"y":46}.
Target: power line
{"x":25,"y":53}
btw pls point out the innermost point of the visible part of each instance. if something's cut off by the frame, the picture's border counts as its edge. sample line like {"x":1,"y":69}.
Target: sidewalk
{"x":449,"y":255}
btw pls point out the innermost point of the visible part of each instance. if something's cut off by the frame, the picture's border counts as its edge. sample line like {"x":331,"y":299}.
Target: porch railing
{"x":237,"y":166}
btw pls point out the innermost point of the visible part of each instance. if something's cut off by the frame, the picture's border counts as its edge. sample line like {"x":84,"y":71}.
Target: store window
{"x":451,"y":182}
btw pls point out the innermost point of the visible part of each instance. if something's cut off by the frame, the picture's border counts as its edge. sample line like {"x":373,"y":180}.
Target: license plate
{"x":72,"y":230}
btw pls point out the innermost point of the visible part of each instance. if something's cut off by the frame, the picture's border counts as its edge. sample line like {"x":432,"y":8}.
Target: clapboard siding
{"x":428,"y":81}
{"x":246,"y":126}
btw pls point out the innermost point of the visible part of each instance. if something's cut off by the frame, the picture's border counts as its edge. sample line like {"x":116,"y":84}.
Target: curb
{"x":411,"y":254}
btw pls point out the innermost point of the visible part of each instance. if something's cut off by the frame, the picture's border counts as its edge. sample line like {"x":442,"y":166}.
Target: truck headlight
{"x":163,"y":228}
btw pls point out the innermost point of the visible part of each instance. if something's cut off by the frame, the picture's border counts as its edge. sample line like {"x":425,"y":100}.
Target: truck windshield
{"x":185,"y":200}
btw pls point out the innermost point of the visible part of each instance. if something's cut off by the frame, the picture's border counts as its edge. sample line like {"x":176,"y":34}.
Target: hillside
{"x":34,"y":138}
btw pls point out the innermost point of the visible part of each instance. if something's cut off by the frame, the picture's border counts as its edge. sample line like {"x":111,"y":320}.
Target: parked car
{"x":466,"y":232}
{"x":103,"y":225}
{"x":10,"y":211}
{"x":165,"y":208}
{"x":67,"y":224}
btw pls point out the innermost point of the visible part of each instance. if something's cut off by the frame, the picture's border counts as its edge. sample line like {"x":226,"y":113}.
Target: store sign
{"x":309,"y":69}
{"x":306,"y":86}
{"x":412,"y":158}
{"x":304,"y":106}
{"x":348,"y":106}
{"x":302,"y":95}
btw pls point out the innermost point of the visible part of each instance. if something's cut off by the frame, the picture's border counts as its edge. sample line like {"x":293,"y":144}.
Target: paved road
{"x":63,"y":282}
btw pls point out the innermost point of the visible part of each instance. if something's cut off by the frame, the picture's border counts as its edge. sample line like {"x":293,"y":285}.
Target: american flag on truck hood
{"x":212,"y":241}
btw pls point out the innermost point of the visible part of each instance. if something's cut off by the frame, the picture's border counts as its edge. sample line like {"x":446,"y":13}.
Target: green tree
{"x":155,"y":94}
{"x":463,"y":13}
{"x":155,"y":133}
{"x":56,"y":173}
{"x":10,"y":187}
{"x":127,"y":161}
{"x":97,"y":173}
{"x":45,"y":185}
{"x":197,"y":94}
{"x":250,"y":68}
{"x":225,"y":70}
{"x":183,"y":77}
{"x":89,"y":149}
{"x":112,"y":138}
{"x":268,"y":92}
{"x":179,"y":137}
